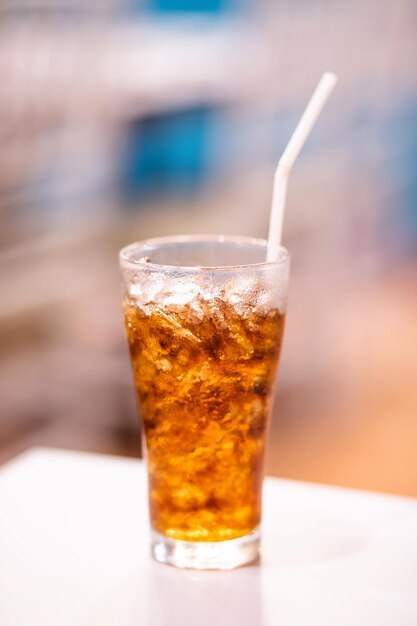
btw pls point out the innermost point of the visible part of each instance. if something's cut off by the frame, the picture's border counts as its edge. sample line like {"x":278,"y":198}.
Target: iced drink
{"x":204,"y":346}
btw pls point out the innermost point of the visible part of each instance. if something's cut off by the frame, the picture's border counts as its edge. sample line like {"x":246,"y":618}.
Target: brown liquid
{"x":205,"y":389}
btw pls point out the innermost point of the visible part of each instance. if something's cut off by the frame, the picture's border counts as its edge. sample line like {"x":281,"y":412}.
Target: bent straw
{"x":298,"y":138}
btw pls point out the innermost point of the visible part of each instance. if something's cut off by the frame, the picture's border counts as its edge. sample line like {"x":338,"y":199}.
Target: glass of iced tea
{"x":204,"y":320}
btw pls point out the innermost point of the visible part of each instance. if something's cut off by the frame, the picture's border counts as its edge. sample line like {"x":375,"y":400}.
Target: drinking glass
{"x":204,"y":321}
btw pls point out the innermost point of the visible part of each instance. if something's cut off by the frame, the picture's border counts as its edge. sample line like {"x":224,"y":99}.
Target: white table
{"x":74,"y":551}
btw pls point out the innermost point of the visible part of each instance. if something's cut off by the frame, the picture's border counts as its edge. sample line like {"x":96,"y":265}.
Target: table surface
{"x":74,"y":551}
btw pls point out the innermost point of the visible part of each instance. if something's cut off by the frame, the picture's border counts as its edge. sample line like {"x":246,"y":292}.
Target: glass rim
{"x":126,"y":259}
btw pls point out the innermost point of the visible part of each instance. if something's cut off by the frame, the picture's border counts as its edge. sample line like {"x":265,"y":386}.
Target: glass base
{"x":206,"y":555}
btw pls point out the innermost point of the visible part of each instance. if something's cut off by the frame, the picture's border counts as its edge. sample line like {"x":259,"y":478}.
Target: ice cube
{"x":145,"y":286}
{"x":171,"y":319}
{"x":242,"y":293}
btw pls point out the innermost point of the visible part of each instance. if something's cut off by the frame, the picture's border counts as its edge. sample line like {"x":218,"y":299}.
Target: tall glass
{"x":204,"y":321}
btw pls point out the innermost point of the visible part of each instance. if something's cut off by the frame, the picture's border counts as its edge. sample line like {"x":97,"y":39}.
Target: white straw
{"x":299,"y":136}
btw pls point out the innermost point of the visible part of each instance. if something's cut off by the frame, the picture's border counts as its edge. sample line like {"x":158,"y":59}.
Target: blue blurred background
{"x":122,"y":120}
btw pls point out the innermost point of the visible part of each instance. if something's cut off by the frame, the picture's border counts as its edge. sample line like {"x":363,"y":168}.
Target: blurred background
{"x":125,"y":119}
